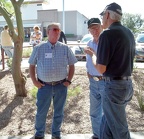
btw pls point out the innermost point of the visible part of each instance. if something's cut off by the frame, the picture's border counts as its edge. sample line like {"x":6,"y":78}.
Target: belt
{"x":116,"y":78}
{"x":97,"y":78}
{"x":52,"y":83}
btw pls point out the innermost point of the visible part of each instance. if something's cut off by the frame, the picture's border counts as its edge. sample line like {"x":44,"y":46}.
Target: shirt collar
{"x":50,"y":45}
{"x":114,"y":24}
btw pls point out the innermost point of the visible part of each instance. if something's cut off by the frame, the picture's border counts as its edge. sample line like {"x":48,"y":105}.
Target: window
{"x":39,"y":4}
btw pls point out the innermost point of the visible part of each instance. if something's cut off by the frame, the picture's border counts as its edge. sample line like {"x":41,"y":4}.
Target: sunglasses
{"x":55,"y":29}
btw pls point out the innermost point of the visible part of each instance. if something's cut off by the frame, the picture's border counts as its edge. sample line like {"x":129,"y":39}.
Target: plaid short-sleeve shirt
{"x":52,"y":61}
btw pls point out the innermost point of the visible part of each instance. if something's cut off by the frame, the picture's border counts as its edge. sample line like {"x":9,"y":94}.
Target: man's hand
{"x":66,"y":83}
{"x":89,"y":51}
{"x":38,"y":84}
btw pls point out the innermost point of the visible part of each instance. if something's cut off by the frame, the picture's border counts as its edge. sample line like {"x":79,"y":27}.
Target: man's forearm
{"x":71,"y":72}
{"x":100,"y":68}
{"x":94,"y":58}
{"x":32,"y":72}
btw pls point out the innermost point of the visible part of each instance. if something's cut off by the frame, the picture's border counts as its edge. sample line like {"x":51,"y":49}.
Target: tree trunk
{"x":18,"y":77}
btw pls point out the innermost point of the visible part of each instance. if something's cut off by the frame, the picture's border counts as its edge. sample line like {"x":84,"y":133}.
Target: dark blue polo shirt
{"x":116,"y":50}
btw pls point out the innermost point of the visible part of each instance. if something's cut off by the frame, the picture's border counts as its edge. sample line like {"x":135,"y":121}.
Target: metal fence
{"x":77,"y":49}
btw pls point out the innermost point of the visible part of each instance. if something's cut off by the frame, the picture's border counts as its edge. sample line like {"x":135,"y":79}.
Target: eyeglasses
{"x":55,"y":29}
{"x":102,"y":15}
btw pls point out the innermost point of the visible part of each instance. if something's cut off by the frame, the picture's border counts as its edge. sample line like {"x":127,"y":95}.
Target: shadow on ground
{"x":4,"y":73}
{"x":6,"y":114}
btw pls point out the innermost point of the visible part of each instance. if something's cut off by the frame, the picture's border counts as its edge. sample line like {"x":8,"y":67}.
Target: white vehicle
{"x":139,"y":52}
{"x":79,"y":50}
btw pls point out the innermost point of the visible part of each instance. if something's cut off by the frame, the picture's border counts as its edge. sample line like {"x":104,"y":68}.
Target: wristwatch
{"x":68,"y":81}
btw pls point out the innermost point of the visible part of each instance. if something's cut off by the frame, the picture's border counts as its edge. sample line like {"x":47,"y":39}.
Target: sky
{"x":92,"y":8}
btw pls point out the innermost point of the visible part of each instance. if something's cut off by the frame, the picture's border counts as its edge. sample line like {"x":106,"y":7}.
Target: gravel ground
{"x":17,"y":114}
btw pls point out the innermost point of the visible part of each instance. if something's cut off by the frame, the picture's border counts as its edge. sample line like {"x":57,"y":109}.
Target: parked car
{"x":86,"y":38}
{"x":139,"y":52}
{"x":78,"y":50}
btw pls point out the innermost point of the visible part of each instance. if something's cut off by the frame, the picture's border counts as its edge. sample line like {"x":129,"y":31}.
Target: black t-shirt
{"x":62,"y":37}
{"x":116,"y":50}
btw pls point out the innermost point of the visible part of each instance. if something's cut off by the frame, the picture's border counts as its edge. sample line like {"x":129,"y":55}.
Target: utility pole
{"x":63,"y":18}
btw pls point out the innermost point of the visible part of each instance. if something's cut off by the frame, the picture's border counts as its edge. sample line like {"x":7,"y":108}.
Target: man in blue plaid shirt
{"x":51,"y":70}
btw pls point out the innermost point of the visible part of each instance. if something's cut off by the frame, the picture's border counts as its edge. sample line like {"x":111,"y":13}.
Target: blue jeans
{"x":95,"y":106}
{"x":8,"y":50}
{"x":45,"y":95}
{"x":116,"y":95}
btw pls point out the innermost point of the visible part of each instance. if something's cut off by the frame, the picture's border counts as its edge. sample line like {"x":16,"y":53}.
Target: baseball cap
{"x":113,"y":7}
{"x":93,"y":21}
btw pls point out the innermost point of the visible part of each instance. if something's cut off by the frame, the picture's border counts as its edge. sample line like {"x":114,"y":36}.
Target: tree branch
{"x":18,"y":16}
{"x":6,"y":15}
{"x":19,"y":2}
{"x":1,"y":4}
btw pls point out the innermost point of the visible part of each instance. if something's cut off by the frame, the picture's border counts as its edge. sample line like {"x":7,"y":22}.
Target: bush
{"x":140,"y":99}
{"x":138,"y":82}
{"x":33,"y":92}
{"x":140,"y":95}
{"x":74,"y":91}
{"x":27,"y":52}
{"x":71,"y":92}
{"x":9,"y":63}
{"x":69,"y":35}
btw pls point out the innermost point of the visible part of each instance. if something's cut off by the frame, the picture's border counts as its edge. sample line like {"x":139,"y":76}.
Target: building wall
{"x":34,"y":14}
{"x":30,"y":11}
{"x":74,"y":23}
{"x":70,"y":22}
{"x":81,"y":25}
{"x":47,"y":16}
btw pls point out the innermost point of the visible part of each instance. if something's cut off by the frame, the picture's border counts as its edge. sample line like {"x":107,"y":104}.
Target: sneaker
{"x":55,"y":137}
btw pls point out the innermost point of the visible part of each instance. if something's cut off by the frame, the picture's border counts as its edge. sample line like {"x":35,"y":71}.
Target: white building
{"x":34,"y":13}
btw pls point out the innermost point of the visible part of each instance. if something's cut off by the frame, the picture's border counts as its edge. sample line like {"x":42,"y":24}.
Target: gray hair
{"x":53,"y":24}
{"x":114,"y":15}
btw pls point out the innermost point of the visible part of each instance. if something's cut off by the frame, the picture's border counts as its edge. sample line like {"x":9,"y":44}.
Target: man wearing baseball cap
{"x":115,"y":55}
{"x":95,"y":78}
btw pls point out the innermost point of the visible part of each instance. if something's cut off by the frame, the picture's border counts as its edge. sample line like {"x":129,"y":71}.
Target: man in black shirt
{"x":62,"y":37}
{"x":115,"y":55}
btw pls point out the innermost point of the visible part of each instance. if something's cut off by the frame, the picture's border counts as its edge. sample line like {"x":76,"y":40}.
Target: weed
{"x":140,"y":96}
{"x":140,"y":99}
{"x":71,"y":92}
{"x":33,"y":92}
{"x":74,"y":91}
{"x":137,"y":74}
{"x":27,"y":52}
{"x":9,"y":63}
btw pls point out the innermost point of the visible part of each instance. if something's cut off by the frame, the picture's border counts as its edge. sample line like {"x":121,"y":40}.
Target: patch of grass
{"x":33,"y":92}
{"x":27,"y":52}
{"x":140,"y":96}
{"x":71,"y":92}
{"x":139,"y":85}
{"x":9,"y":63}
{"x":74,"y":91}
{"x":140,"y":99}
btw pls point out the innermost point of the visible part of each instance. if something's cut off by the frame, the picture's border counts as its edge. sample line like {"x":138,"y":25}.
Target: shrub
{"x":33,"y":92}
{"x":140,"y":95}
{"x":27,"y":52}
{"x":71,"y":92}
{"x":138,"y":80}
{"x":9,"y":63}
{"x":74,"y":91}
{"x":140,"y":99}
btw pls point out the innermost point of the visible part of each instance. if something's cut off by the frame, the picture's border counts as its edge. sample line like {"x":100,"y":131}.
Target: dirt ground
{"x":17,"y":114}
